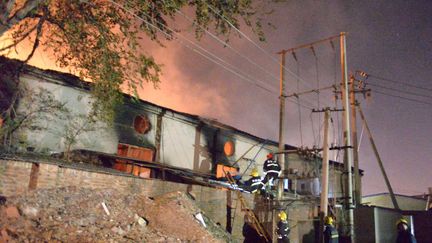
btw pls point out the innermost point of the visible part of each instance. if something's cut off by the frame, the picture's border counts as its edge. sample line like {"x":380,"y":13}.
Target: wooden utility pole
{"x":357,"y":179}
{"x":324,"y":176}
{"x":281,"y":156}
{"x":349,"y":206}
{"x":282,"y":96}
{"x":393,"y":198}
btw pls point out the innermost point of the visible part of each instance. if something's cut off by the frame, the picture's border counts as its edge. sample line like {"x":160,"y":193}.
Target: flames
{"x":179,"y":89}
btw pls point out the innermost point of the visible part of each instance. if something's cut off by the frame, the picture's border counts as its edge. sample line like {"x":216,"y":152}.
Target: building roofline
{"x":399,"y":195}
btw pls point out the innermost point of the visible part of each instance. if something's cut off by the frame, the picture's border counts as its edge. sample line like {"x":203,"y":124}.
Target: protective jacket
{"x":254,"y":184}
{"x":405,"y":236}
{"x":283,"y":231}
{"x":272,"y":171}
{"x":331,"y":235}
{"x":271,"y":166}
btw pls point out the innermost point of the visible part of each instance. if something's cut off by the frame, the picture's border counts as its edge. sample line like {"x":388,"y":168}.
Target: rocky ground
{"x":85,"y":215}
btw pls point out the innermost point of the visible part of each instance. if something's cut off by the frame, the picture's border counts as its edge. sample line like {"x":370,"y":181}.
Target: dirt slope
{"x":78,"y":215}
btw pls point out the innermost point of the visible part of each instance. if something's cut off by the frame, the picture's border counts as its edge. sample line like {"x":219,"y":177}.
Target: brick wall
{"x":15,"y":177}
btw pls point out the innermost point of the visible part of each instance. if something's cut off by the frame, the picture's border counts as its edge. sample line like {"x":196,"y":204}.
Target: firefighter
{"x":254,"y":184}
{"x":283,"y":229}
{"x":404,"y":232}
{"x":330,"y":233}
{"x":271,"y":169}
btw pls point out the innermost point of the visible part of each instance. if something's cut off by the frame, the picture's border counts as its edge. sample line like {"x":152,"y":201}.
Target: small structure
{"x":376,"y":218}
{"x":412,"y":203}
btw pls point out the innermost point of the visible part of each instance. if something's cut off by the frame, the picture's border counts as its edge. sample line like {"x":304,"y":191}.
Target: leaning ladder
{"x":244,"y":207}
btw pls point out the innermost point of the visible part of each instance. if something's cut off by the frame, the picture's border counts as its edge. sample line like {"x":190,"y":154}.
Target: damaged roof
{"x":74,"y":81}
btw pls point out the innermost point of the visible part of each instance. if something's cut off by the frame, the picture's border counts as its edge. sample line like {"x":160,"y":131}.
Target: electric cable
{"x":399,"y":90}
{"x":200,"y":50}
{"x":224,"y":43}
{"x":401,"y":97}
{"x":255,"y":44}
{"x":394,"y":81}
{"x":215,"y":56}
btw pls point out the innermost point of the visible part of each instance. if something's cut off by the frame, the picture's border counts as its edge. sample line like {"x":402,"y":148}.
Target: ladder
{"x":249,"y":212}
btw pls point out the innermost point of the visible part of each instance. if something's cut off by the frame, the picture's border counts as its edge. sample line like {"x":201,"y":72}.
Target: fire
{"x":177,"y":90}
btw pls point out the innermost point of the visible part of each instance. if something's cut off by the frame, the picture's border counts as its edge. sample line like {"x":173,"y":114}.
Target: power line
{"x":405,"y":98}
{"x":224,"y":43}
{"x":399,"y":90}
{"x":364,"y":74}
{"x":255,"y":44}
{"x":200,"y":52}
{"x":260,"y":48}
{"x":310,"y":91}
{"x":211,"y":56}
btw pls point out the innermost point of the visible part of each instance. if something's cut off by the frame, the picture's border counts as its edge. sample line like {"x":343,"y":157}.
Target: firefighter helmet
{"x":254,"y":172}
{"x":402,"y":221}
{"x":328,"y":220}
{"x":282,"y":215}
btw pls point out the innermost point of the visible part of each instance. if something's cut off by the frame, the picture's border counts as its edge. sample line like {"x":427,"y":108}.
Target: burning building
{"x":155,"y":142}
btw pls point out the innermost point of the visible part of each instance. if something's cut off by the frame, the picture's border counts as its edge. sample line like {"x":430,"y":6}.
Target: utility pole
{"x":349,"y":230}
{"x":357,"y":179}
{"x":282,"y":96}
{"x":281,"y":155}
{"x":324,"y":176}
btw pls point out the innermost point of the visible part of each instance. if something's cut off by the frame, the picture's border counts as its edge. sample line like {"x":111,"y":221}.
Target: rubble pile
{"x":86,"y":215}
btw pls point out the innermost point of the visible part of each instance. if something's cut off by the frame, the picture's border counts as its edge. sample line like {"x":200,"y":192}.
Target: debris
{"x":30,"y":212}
{"x":4,"y":236}
{"x":2,"y":200}
{"x":12,"y":212}
{"x":141,"y":221}
{"x":74,"y":215}
{"x":105,"y":208}
{"x":200,"y":219}
{"x":118,"y":230}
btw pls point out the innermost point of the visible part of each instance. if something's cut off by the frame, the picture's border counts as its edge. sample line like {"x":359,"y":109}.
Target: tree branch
{"x":19,"y":15}
{"x":16,"y":42}
{"x":36,"y":43}
{"x":6,"y":10}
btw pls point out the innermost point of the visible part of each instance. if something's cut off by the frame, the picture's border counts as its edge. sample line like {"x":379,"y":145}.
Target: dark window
{"x":142,"y":124}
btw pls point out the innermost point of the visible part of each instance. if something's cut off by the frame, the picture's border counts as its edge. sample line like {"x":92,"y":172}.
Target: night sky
{"x":390,"y":39}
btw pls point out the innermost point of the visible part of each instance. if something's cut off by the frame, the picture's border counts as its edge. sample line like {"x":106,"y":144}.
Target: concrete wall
{"x":52,"y":138}
{"x":178,"y":138}
{"x":375,"y":224}
{"x":124,"y":125}
{"x":385,"y":225}
{"x":303,"y":219}
{"x":364,"y":217}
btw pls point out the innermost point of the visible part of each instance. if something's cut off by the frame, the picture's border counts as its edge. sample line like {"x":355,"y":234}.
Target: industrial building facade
{"x":147,"y":132}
